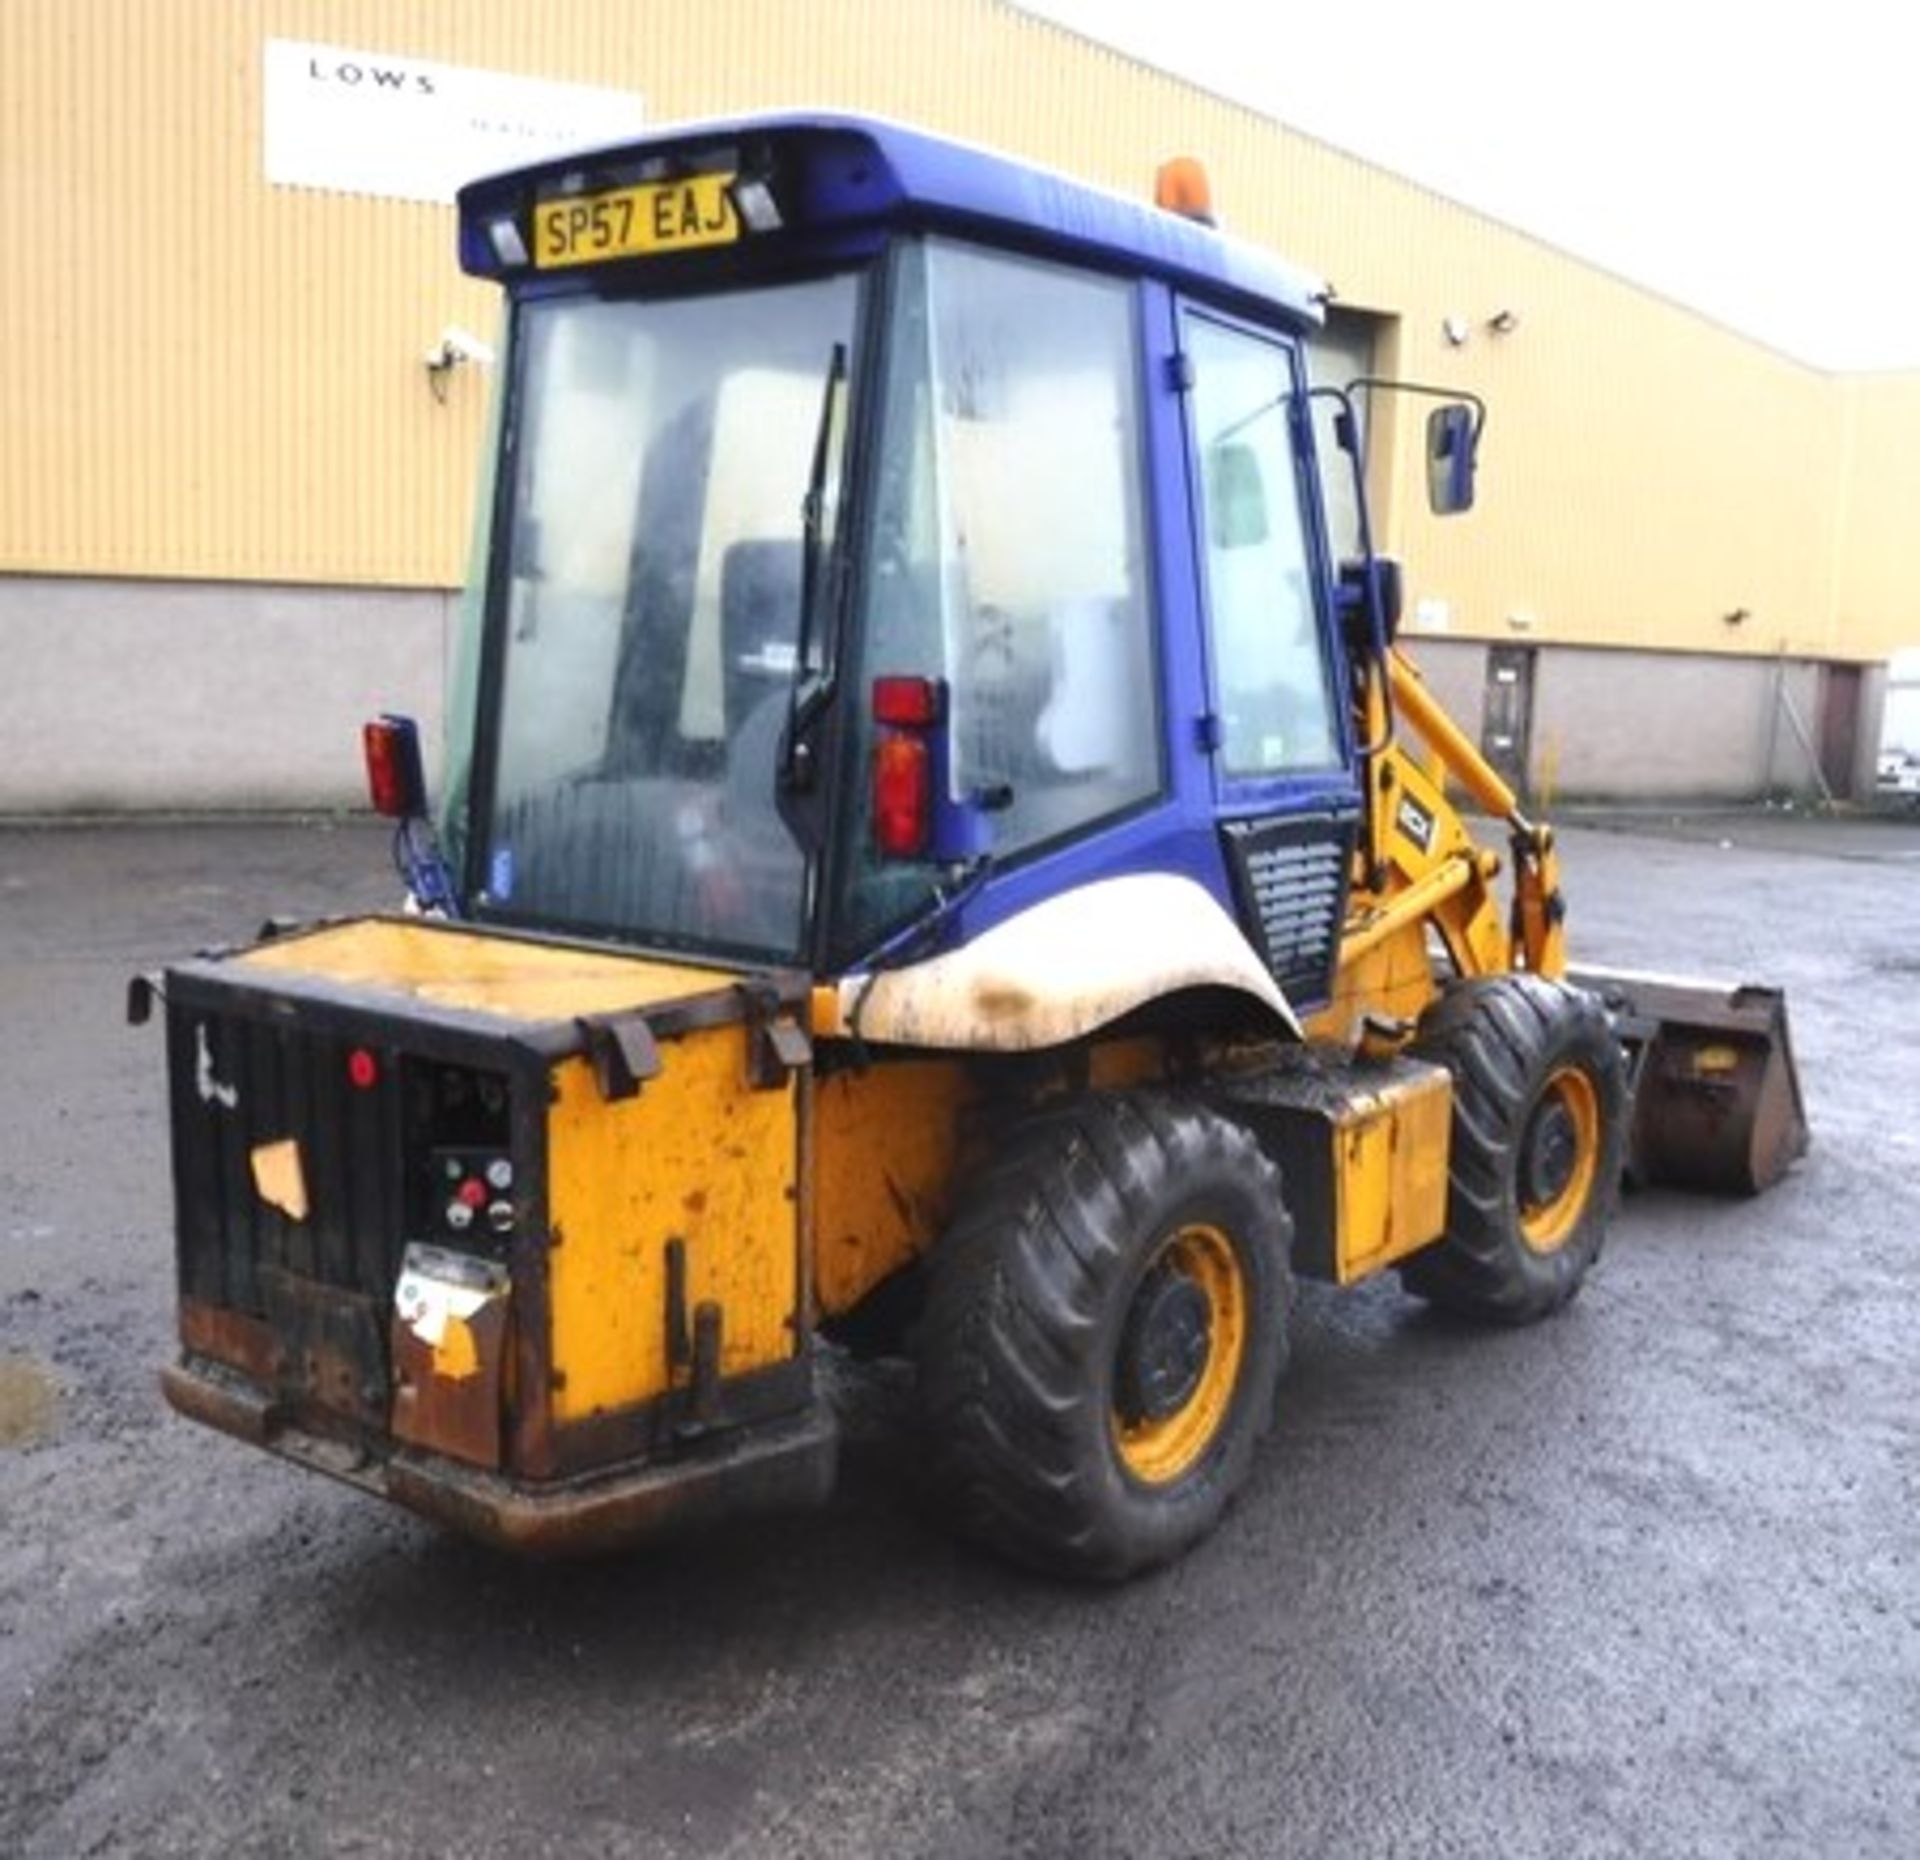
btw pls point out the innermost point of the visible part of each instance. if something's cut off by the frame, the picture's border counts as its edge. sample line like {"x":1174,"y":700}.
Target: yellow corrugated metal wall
{"x":212,"y":377}
{"x":1877,"y":594}
{"x":207,"y":376}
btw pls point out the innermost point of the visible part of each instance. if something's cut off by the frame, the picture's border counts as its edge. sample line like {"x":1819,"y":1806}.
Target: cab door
{"x":1286,"y":798}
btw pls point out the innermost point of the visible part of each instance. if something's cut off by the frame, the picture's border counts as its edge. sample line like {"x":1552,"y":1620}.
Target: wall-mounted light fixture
{"x":455,"y":346}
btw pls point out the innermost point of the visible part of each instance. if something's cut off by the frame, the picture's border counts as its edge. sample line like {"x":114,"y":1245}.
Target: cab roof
{"x":839,"y":174}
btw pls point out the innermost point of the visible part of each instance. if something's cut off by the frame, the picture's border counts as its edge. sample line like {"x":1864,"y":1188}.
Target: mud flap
{"x":1716,"y":1093}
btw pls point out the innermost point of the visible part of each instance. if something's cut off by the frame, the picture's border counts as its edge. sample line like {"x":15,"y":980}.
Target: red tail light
{"x":902,"y":797}
{"x":907,"y":703}
{"x":396,"y":782}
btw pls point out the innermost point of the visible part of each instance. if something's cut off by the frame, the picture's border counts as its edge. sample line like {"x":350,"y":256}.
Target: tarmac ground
{"x":1643,"y":1579}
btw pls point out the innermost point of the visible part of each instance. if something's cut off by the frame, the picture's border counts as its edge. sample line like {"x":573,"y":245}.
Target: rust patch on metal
{"x":531,"y":1334}
{"x":1717,"y":1101}
{"x":329,"y":1346}
{"x":228,"y":1337}
{"x":450,"y":1354}
{"x":787,"y":1463}
{"x":783,"y":1467}
{"x":242,"y":1411}
{"x":449,"y":1400}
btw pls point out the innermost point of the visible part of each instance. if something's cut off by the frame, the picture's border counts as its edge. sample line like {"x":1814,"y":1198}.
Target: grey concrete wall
{"x":118,"y":695}
{"x":1644,"y":726}
{"x":205,"y":695}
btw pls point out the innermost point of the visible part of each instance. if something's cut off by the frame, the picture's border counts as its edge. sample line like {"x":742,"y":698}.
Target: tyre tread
{"x":1500,"y":1037}
{"x":1017,"y":1290}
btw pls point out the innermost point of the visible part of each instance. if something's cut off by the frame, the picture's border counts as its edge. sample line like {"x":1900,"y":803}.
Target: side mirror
{"x":1451,"y":438}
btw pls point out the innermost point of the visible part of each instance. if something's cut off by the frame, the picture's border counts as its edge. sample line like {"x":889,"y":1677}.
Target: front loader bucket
{"x":1716,"y":1101}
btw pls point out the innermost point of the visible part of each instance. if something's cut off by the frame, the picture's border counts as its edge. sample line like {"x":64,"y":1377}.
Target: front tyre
{"x":1539,"y":1123}
{"x":1104,"y":1332}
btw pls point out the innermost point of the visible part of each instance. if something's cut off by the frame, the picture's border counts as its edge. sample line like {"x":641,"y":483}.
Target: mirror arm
{"x":1388,"y":384}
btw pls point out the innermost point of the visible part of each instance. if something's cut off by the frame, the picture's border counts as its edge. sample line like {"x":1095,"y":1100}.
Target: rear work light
{"x":396,"y":778}
{"x":503,"y":234}
{"x":754,"y":202}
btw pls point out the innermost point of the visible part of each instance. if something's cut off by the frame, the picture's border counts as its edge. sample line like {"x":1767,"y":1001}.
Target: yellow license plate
{"x":630,"y":222}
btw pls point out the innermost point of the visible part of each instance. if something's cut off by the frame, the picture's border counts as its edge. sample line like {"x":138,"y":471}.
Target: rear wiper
{"x":808,"y":692}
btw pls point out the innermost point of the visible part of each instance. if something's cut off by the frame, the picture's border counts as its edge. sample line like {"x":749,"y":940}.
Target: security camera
{"x":458,"y":345}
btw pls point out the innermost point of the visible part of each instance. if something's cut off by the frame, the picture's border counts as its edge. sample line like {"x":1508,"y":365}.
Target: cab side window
{"x":1273,"y":689}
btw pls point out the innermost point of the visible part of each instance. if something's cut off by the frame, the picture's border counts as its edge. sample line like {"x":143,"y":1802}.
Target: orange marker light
{"x":1181,"y":186}
{"x":902,"y":797}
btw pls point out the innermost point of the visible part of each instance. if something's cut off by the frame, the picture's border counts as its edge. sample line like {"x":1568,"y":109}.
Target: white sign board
{"x":410,"y":129}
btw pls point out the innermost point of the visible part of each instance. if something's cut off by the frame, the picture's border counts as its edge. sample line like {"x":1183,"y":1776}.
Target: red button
{"x":363,"y":1069}
{"x":473,"y":1192}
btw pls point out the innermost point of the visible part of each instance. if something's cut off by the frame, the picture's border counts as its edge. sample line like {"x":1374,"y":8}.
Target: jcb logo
{"x":1415,"y":822}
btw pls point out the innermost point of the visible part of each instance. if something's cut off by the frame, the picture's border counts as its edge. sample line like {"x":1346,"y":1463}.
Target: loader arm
{"x":1717,"y":1102}
{"x":1418,"y":865}
{"x":1536,"y":935}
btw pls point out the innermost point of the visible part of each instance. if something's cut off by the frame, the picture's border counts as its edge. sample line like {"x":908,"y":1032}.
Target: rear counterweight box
{"x":491,"y":1203}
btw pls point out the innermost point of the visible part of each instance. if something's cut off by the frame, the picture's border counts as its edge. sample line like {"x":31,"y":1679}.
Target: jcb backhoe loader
{"x":938,"y":848}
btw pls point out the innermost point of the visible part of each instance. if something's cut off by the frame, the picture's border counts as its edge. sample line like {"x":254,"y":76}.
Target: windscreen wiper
{"x":807,"y":695}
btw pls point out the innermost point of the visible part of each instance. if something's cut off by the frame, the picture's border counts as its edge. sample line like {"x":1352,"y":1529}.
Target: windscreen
{"x":667,"y":453}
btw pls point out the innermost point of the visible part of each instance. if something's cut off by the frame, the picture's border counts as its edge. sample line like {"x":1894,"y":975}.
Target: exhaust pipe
{"x":1716,"y":1094}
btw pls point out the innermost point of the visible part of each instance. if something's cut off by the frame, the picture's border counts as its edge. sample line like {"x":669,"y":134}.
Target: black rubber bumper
{"x":773,"y":1465}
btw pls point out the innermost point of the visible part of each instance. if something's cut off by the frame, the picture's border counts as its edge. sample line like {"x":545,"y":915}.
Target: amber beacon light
{"x":1182,"y":186}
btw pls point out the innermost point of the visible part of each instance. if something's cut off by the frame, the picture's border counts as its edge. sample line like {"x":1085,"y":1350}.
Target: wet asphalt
{"x":1642,"y":1580}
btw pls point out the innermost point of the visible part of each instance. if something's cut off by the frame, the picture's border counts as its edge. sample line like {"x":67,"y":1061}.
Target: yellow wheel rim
{"x":1159,"y":1448}
{"x":1560,"y":1158}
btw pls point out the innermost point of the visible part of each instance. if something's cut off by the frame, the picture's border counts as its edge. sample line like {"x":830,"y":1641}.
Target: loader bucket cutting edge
{"x":1716,"y":1101}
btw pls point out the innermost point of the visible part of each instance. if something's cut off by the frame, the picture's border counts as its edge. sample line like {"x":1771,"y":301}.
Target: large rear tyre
{"x":1104,"y":1331}
{"x":1539,"y":1123}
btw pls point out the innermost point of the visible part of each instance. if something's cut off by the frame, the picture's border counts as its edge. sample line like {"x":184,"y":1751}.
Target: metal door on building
{"x":1839,"y":728}
{"x":1506,"y":727}
{"x":1508,"y":716}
